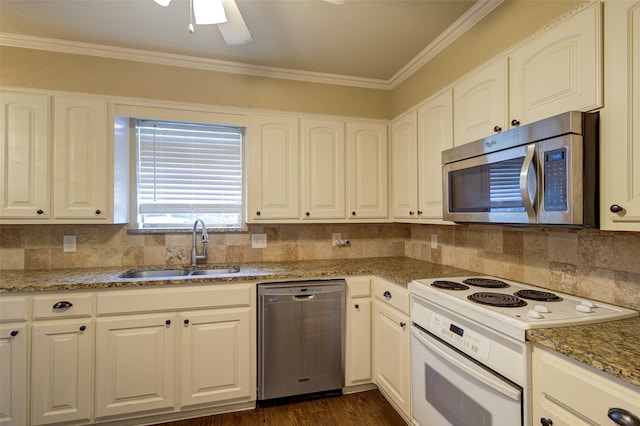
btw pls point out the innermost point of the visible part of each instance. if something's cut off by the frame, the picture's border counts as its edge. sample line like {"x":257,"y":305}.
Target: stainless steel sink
{"x":163,"y":273}
{"x":169,"y":273}
{"x":215,"y":271}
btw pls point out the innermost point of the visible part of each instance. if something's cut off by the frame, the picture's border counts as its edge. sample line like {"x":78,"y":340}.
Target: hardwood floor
{"x":363,"y":408}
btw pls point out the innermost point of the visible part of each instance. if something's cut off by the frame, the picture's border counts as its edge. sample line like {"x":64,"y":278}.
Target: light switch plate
{"x":259,"y":241}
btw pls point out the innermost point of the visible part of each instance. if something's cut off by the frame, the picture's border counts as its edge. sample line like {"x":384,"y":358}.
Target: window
{"x":187,"y":171}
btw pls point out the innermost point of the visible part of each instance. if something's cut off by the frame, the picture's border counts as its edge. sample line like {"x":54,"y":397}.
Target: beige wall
{"x":505,"y":26}
{"x":87,"y":74}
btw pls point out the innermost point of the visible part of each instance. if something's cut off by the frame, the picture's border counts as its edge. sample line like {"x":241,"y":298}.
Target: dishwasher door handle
{"x":305,"y":296}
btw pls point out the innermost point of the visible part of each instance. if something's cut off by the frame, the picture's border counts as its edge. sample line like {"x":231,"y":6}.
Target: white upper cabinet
{"x":620,"y":119}
{"x":323,"y":169}
{"x":481,"y":103}
{"x":81,"y":159}
{"x":367,"y":164}
{"x":435,"y":134}
{"x":274,"y":168}
{"x":24,"y":155}
{"x":558,"y":71}
{"x":404,"y":167}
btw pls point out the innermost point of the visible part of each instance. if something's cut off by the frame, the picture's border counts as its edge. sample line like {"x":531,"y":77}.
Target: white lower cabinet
{"x":61,"y":366}
{"x":135,"y":364}
{"x":391,"y":331}
{"x":568,"y":393}
{"x":216,"y":355}
{"x":357,"y":368}
{"x":13,"y":374}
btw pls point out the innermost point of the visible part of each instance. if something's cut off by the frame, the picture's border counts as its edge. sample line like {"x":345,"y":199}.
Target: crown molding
{"x":459,"y":27}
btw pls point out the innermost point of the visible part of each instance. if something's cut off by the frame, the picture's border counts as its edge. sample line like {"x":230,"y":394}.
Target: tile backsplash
{"x":595,"y":264}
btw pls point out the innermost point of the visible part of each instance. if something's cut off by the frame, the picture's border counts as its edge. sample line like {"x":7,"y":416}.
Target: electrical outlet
{"x":434,"y":241}
{"x":336,"y":238}
{"x":69,"y":244}
{"x":259,"y":241}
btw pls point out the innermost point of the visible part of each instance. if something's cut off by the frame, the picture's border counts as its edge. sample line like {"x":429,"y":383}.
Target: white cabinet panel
{"x":135,"y":364}
{"x":404,"y":181}
{"x":560,"y":70}
{"x":13,"y":374}
{"x":274,"y":168}
{"x":435,"y":134}
{"x":24,"y":156}
{"x":81,"y":158}
{"x":215,"y":356}
{"x":323,"y":169}
{"x":358,"y":362}
{"x":620,"y":119}
{"x":481,"y":103}
{"x":367,"y":165}
{"x":61,"y":366}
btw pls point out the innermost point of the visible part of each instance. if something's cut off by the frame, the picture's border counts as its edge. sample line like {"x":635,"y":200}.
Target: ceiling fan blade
{"x":235,"y":30}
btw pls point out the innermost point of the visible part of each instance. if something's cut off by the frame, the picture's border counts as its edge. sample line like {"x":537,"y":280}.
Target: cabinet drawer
{"x":392,"y":294}
{"x":358,"y":287}
{"x":13,"y":309}
{"x":64,"y":305}
{"x":174,"y":299}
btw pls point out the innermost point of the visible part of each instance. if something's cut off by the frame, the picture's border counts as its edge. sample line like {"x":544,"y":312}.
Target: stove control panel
{"x":462,"y":338}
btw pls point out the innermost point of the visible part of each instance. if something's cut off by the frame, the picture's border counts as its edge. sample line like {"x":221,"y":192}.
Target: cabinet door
{"x":323,"y":167}
{"x":135,"y":364}
{"x":435,"y":134}
{"x":391,"y":367}
{"x":216,"y":361}
{"x":358,"y":369}
{"x":367,"y":164}
{"x":81,"y":159}
{"x":480,"y":103}
{"x":404,"y":173}
{"x":13,"y":375}
{"x":559,"y":71}
{"x":274,"y":168}
{"x":24,"y":156}
{"x":61,"y":378}
{"x":620,"y":119}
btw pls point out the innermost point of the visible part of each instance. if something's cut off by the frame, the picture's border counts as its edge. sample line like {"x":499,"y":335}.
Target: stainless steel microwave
{"x":543,"y":173}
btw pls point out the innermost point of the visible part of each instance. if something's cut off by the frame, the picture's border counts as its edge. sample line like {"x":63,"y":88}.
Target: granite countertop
{"x":400,"y":270}
{"x":612,"y":347}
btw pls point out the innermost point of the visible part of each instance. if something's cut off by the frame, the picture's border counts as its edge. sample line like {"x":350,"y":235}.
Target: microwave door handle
{"x":528,"y":198}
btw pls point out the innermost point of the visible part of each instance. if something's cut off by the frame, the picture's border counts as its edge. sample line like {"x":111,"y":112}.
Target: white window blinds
{"x":189,"y":170}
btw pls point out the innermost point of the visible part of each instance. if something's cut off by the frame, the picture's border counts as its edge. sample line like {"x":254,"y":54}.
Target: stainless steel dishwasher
{"x":300,"y":339}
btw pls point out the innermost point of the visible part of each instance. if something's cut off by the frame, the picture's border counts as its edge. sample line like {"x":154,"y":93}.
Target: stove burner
{"x":485,"y":282}
{"x":449,"y":285}
{"x":542,"y":296}
{"x":497,"y":299}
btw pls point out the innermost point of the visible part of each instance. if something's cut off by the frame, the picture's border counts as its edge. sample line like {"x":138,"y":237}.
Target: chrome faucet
{"x":205,"y":239}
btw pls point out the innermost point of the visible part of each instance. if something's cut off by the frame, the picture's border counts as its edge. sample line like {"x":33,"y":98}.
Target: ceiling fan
{"x":225,"y":14}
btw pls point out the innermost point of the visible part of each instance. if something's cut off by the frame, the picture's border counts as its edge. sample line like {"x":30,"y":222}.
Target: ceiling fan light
{"x":163,"y":3}
{"x":208,"y":12}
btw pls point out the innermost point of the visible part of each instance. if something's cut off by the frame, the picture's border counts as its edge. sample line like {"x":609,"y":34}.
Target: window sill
{"x":137,"y":231}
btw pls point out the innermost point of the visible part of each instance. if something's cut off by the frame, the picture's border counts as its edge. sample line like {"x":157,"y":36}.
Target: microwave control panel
{"x":555,"y":180}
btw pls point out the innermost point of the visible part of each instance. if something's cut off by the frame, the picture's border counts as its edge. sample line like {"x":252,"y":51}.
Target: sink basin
{"x":163,"y":273}
{"x":169,"y":273}
{"x":215,"y":271}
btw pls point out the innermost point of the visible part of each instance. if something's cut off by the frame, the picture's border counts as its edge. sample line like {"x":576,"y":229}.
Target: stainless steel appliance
{"x":543,"y":173}
{"x":470,"y":362}
{"x":300,"y":339}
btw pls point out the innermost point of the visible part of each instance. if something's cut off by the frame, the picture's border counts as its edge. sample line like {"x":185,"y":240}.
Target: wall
{"x":594,"y":264}
{"x":40,"y":246}
{"x":38,"y":69}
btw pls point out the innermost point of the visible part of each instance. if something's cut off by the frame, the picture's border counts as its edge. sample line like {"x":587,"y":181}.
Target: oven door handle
{"x":526,"y":184}
{"x":489,"y":380}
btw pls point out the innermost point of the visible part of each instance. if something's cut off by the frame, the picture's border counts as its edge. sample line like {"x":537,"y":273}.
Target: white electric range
{"x":468,"y":346}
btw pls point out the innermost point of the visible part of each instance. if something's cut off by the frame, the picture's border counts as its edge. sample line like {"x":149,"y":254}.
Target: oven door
{"x":449,"y":388}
